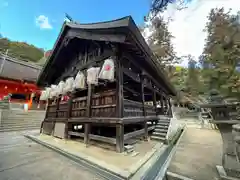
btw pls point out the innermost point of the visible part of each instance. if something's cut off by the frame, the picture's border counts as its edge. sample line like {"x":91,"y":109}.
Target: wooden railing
{"x":150,"y":110}
{"x":102,"y":105}
{"x":132,"y":108}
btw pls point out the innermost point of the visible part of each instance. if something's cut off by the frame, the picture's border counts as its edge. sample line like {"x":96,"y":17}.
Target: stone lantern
{"x":230,"y":131}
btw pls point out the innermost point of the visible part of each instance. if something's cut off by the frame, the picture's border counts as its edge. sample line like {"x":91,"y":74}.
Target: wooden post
{"x":155,"y":100}
{"x":119,"y":83}
{"x":58,"y":99}
{"x":166,"y":104}
{"x":119,"y":138}
{"x":170,"y":108}
{"x":69,"y":114}
{"x":162,"y":104}
{"x":144,"y":110}
{"x":48,"y":101}
{"x":89,"y":106}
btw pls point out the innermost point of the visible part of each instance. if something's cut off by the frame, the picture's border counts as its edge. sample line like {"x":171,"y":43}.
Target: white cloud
{"x":188,"y":24}
{"x":43,"y":22}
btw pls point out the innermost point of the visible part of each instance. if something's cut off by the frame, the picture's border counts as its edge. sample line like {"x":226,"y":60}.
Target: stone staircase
{"x":161,"y":129}
{"x":17,"y":120}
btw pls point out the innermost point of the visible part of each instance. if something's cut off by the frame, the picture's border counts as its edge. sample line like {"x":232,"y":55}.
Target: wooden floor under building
{"x":197,"y":154}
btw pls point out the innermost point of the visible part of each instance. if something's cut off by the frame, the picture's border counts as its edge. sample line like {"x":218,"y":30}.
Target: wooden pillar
{"x":87,"y":126}
{"x":144,"y":110}
{"x":57,"y":99}
{"x":120,"y":138}
{"x":162,"y":105}
{"x":169,"y":107}
{"x":69,"y":114}
{"x":154,"y":100}
{"x":48,"y":102}
{"x":119,"y":89}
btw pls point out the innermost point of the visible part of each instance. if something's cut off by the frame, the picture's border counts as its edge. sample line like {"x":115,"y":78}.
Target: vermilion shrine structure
{"x":113,"y":112}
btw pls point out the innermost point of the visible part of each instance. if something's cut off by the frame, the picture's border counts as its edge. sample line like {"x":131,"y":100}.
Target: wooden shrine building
{"x":113,"y":112}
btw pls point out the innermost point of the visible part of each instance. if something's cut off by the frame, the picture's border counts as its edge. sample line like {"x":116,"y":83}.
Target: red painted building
{"x":18,"y":79}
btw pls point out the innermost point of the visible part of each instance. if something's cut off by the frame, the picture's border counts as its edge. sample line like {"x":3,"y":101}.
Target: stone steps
{"x":19,"y":128}
{"x":15,"y":120}
{"x":161,"y":129}
{"x":159,"y":134}
{"x":20,"y":124}
{"x":163,"y":139}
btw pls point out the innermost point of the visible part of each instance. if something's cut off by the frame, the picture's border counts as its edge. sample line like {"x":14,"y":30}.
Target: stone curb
{"x":157,"y":164}
{"x":177,"y":176}
{"x":223,"y":175}
{"x":174,"y":143}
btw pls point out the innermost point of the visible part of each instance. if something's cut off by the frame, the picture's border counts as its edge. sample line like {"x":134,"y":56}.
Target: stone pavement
{"x":124,"y":165}
{"x":197,"y":154}
{"x":22,"y":159}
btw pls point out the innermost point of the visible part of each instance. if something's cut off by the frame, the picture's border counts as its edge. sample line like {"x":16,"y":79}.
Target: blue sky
{"x":38,"y":21}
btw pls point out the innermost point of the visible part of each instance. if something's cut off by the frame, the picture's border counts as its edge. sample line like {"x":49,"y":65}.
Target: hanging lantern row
{"x":79,"y":82}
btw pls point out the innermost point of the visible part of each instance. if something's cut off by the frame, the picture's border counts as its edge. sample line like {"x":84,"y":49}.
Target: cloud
{"x":188,"y":24}
{"x":43,"y":22}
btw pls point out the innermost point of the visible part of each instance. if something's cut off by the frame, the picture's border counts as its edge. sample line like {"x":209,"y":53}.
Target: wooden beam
{"x":103,"y":139}
{"x":134,"y":134}
{"x":82,"y":34}
{"x":151,"y":128}
{"x":137,"y":119}
{"x":81,"y":67}
{"x":131,"y":74}
{"x":78,"y":134}
{"x":137,"y":64}
{"x":130,"y":90}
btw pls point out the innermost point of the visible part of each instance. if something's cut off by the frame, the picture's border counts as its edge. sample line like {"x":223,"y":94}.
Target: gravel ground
{"x":22,"y":159}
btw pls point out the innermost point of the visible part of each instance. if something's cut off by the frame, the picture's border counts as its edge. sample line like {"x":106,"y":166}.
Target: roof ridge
{"x":100,"y":22}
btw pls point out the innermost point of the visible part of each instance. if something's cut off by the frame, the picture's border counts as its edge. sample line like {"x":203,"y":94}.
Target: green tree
{"x":160,"y":42}
{"x":192,"y":83}
{"x":21,"y":50}
{"x":221,"y":53}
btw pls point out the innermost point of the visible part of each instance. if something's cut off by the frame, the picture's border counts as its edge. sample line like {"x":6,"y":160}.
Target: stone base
{"x":59,"y":130}
{"x":227,"y":174}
